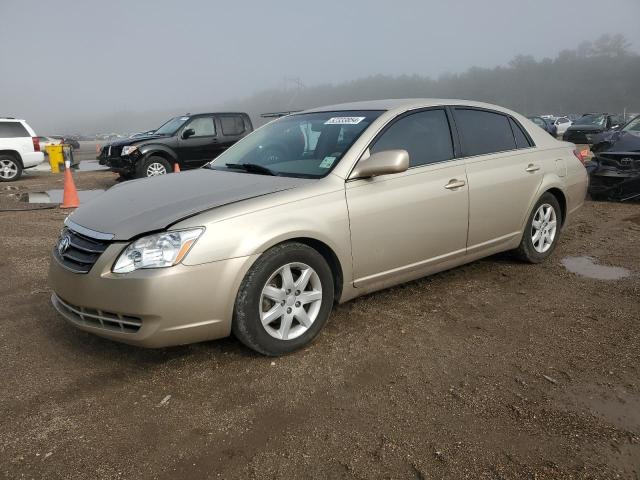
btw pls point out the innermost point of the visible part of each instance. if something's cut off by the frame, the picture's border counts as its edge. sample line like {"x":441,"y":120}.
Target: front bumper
{"x":150,"y":308}
{"x":118,"y":164}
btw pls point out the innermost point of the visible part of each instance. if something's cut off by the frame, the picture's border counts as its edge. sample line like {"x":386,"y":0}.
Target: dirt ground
{"x":495,"y":370}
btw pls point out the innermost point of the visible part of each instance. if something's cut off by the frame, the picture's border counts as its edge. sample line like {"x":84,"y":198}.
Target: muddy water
{"x":587,"y":267}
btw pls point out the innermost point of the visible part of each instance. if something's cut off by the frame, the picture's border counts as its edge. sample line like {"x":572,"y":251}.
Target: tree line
{"x":603,"y":75}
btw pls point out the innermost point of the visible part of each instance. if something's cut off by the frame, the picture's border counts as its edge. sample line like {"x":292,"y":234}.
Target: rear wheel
{"x":284,"y":300}
{"x":154,"y":166}
{"x":542,"y":231}
{"x":10,"y":168}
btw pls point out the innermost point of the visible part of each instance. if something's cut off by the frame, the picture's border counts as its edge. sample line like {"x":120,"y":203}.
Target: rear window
{"x":12,"y":130}
{"x":521,"y":139}
{"x":232,"y":124}
{"x":484,"y":132}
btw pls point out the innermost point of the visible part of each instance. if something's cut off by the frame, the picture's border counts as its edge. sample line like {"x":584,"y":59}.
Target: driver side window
{"x":203,"y":127}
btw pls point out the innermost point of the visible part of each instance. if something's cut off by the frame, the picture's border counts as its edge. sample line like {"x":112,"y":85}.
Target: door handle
{"x":532,"y":168}
{"x":453,"y":184}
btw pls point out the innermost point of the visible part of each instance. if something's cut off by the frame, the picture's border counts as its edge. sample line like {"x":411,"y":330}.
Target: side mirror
{"x":189,"y":132}
{"x":381,"y":163}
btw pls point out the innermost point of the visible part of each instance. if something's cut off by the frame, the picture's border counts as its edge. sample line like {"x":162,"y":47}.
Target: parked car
{"x":75,"y":144}
{"x":545,"y":124}
{"x":586,"y":128}
{"x":19,"y":148}
{"x":262,"y":246}
{"x":46,"y":141}
{"x":615,"y":168}
{"x":188,"y":140}
{"x":562,"y":124}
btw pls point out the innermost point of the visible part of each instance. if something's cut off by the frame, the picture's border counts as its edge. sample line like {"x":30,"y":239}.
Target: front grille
{"x":81,"y":253}
{"x":91,"y":317}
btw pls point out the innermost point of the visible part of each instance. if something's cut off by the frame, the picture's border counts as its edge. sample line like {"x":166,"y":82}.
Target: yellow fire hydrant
{"x":56,"y":157}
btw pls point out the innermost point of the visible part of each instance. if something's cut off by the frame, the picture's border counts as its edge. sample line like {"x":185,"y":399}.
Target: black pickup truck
{"x":188,"y":140}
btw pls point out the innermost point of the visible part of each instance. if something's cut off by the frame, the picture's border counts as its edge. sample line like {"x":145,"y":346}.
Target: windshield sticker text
{"x":344,"y":120}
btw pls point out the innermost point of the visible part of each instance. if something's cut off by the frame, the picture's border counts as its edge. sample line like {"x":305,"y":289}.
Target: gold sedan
{"x":315,"y":208}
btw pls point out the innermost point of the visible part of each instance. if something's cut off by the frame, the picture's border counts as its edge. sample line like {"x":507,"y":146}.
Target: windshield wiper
{"x":253,"y":168}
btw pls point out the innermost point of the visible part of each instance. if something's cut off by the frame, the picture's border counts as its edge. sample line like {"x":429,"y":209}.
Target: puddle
{"x":615,"y":406}
{"x":586,"y":267}
{"x":55,"y":196}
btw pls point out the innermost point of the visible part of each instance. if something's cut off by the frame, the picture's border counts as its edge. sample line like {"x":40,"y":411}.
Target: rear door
{"x":503,"y":173}
{"x":403,"y":224}
{"x":232,"y":127}
{"x":203,"y":145}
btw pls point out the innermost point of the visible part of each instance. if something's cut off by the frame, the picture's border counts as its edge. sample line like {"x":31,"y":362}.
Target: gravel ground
{"x":496,"y":370}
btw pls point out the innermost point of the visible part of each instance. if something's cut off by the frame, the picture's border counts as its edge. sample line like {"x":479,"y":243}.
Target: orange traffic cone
{"x":176,"y":168}
{"x":70,"y":195}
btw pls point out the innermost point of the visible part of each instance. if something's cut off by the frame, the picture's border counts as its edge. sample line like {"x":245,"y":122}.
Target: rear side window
{"x":232,"y":124}
{"x":425,"y":135}
{"x":521,"y":139}
{"x":12,"y":130}
{"x":483,"y":132}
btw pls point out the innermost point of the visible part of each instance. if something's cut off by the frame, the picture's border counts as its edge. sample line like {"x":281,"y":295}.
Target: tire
{"x":303,"y":311}
{"x":537,"y":251}
{"x":152,"y":164}
{"x":10,"y":168}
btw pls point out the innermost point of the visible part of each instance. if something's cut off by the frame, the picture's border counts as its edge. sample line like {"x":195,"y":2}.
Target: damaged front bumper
{"x":614,"y":176}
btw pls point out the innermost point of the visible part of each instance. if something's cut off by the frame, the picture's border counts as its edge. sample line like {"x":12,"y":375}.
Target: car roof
{"x":403,"y":104}
{"x":11,"y":119}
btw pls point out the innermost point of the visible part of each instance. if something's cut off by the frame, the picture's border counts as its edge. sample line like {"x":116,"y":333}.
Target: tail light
{"x":36,"y":144}
{"x":581,"y":155}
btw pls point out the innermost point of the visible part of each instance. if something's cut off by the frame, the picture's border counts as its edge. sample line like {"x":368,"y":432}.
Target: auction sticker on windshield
{"x":344,"y":120}
{"x":327,"y":162}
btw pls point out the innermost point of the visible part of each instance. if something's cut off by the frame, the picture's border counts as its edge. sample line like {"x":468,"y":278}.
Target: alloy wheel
{"x":543,"y":228}
{"x":8,"y":169}
{"x":155,"y":169}
{"x":290,"y":301}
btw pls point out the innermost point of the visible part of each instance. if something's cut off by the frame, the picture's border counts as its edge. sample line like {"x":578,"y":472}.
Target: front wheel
{"x":153,"y":166}
{"x":284,"y":300}
{"x":542,"y":230}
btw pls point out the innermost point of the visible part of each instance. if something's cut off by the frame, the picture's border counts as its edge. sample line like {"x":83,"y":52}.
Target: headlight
{"x":128,"y":150}
{"x":157,"y":251}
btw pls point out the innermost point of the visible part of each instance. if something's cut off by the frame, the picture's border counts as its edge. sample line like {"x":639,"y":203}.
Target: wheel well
{"x":14,"y":154}
{"x":556,"y":192}
{"x":160,"y":153}
{"x":331,"y":258}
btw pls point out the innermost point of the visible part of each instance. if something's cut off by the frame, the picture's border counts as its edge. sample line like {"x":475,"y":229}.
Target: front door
{"x":404,"y":225}
{"x":201,"y":145}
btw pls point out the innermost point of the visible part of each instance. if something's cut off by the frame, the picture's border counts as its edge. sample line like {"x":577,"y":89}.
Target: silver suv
{"x":19,"y":148}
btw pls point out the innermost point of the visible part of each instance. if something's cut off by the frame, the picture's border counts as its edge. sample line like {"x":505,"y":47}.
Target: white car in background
{"x":562,"y":123}
{"x":19,"y":148}
{"x":46,"y":141}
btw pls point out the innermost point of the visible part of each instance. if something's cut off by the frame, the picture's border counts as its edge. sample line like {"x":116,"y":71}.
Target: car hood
{"x":617,"y":142}
{"x":135,"y":141}
{"x":152,"y":204}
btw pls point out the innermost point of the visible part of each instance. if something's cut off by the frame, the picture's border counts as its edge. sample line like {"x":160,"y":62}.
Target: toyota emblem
{"x":64,"y":243}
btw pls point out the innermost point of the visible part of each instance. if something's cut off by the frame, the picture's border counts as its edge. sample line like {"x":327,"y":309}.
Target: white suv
{"x":19,"y":148}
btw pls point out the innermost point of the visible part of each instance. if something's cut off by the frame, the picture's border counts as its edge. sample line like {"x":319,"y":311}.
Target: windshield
{"x":306,"y":145}
{"x":595,"y":119}
{"x":171,"y":126}
{"x":633,"y":126}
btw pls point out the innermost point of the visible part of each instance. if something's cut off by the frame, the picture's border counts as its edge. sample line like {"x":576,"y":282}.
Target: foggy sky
{"x":66,"y":62}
